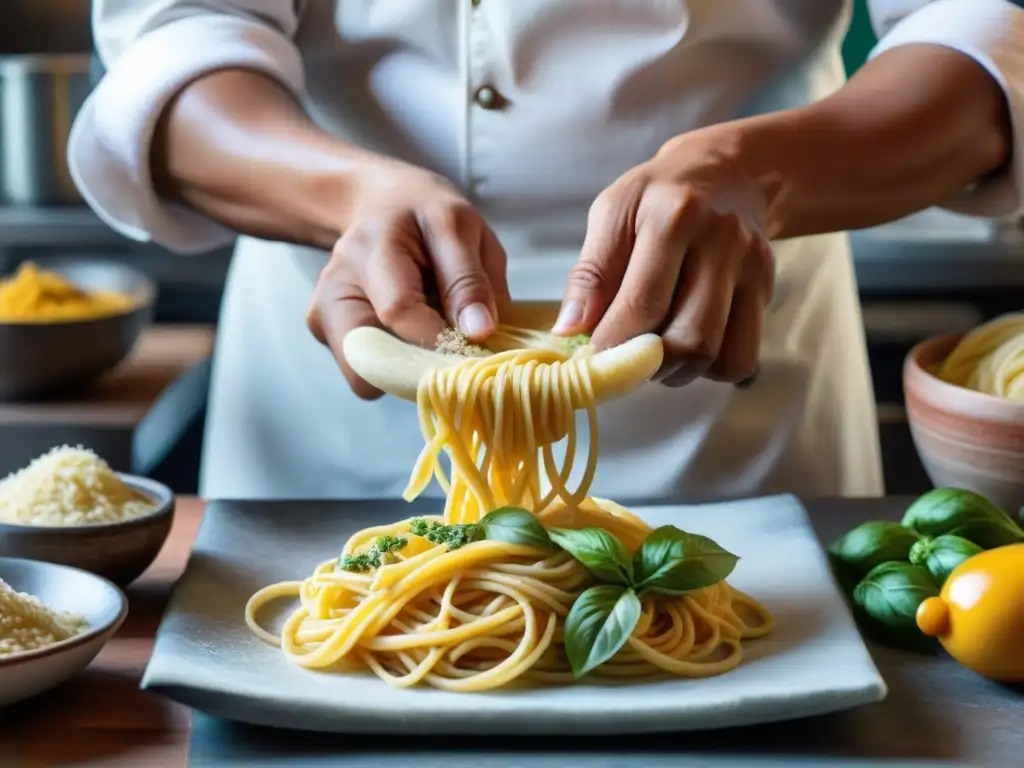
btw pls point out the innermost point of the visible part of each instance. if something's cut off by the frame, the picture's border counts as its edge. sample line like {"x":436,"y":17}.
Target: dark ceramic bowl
{"x":117,"y":551}
{"x":42,"y":360}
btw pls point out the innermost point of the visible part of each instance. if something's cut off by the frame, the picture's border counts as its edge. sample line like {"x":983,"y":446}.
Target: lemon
{"x":979,"y":615}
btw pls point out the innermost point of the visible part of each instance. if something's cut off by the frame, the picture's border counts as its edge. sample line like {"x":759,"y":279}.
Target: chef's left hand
{"x":678,"y":246}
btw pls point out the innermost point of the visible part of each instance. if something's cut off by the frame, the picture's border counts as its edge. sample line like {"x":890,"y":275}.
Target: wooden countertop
{"x":124,"y":397}
{"x":100,"y":717}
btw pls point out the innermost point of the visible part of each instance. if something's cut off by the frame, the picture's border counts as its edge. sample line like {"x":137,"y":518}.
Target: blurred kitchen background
{"x":931,"y":273}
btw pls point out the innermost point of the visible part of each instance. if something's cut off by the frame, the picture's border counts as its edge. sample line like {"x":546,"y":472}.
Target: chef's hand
{"x":410,"y":234}
{"x":677,"y":246}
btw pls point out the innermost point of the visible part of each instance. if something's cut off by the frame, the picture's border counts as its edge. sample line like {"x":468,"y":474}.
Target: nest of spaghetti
{"x":520,"y":598}
{"x":524,"y":577}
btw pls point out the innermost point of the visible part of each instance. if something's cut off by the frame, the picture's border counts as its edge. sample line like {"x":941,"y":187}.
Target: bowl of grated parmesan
{"x":69,"y":507}
{"x":53,"y":621}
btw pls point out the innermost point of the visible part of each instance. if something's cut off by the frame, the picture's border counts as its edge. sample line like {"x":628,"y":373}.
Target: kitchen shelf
{"x":31,"y":227}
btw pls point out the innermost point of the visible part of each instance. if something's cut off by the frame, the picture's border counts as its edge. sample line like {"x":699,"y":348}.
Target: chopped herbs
{"x":452,"y":536}
{"x":379,"y":554}
{"x":577,"y":341}
{"x":390,"y":543}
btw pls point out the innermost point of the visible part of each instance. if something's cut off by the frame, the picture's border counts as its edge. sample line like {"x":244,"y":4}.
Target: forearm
{"x":910,"y":130}
{"x":236,"y":146}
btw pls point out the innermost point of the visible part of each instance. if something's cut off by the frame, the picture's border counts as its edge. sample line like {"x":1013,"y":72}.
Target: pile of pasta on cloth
{"x":523,"y":577}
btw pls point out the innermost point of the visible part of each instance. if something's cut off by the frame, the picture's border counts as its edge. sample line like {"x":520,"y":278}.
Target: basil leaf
{"x":672,"y":561}
{"x":515,"y":526}
{"x":598,"y":625}
{"x":598,"y":550}
{"x":963,"y":513}
{"x":943,"y":555}
{"x":871,"y":544}
{"x":891,"y":593}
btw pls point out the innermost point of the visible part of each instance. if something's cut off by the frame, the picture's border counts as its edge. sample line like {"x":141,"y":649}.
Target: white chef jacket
{"x":587,"y":89}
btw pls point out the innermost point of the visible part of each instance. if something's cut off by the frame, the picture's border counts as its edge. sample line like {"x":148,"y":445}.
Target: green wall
{"x":860,"y":39}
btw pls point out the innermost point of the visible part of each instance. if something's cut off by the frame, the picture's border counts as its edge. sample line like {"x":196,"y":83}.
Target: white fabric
{"x":992,"y":33}
{"x":111,"y":137}
{"x":594,"y":87}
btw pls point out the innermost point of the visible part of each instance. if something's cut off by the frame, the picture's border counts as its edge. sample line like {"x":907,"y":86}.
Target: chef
{"x":686,"y":167}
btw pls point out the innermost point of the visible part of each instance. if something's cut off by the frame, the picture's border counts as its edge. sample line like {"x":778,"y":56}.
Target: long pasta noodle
{"x":989,"y":359}
{"x":491,"y":613}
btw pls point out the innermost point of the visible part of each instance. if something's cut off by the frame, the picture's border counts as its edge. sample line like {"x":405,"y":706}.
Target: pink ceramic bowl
{"x":965,"y":439}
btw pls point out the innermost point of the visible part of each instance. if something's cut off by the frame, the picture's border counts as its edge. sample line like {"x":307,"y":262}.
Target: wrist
{"x":238,"y":147}
{"x":331,"y":188}
{"x":350,"y":181}
{"x":754,"y":152}
{"x":765,"y":154}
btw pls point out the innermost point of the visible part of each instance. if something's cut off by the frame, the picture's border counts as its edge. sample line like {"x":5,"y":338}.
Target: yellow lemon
{"x":979,"y":616}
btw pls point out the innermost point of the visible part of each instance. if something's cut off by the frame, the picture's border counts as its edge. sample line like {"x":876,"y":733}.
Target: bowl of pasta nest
{"x":70,"y":508}
{"x":65,"y":322}
{"x":964,"y":395}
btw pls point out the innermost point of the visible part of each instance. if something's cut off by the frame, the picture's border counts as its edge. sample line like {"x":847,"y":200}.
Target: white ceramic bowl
{"x":102,"y":605}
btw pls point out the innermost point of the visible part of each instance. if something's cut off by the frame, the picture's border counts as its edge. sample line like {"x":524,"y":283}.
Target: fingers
{"x":376,"y":276}
{"x":455,"y":238}
{"x":645,"y":298}
{"x":338,"y":307}
{"x":392,"y":281}
{"x":695,"y":336}
{"x":595,"y":279}
{"x":741,"y":346}
{"x":495,"y":263}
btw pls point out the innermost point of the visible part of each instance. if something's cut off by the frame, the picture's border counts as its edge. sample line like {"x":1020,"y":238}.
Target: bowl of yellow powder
{"x":54,"y":620}
{"x":66,"y":322}
{"x":69,"y":507}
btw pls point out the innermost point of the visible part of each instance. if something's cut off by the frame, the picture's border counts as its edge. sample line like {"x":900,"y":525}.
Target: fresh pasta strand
{"x":990,"y":359}
{"x":490,"y":613}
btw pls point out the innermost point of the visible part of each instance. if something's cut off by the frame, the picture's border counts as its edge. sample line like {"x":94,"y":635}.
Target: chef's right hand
{"x":409,"y":233}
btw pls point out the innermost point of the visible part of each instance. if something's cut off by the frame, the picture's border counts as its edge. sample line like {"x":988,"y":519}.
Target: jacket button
{"x":488,"y":98}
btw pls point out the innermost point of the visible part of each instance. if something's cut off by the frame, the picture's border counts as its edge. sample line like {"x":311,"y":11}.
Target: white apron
{"x":393,"y":76}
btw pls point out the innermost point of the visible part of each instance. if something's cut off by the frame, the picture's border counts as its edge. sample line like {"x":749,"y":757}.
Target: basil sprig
{"x":669,"y":562}
{"x":602,"y":553}
{"x":598,"y":625}
{"x":514,"y":525}
{"x":602,"y":618}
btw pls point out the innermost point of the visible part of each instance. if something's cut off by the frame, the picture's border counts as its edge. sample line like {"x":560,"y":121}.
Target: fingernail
{"x":749,"y":380}
{"x":475,"y":321}
{"x":569,"y":316}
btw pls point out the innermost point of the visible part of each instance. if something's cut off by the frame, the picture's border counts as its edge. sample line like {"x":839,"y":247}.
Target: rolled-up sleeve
{"x":151,"y":50}
{"x":992,"y":33}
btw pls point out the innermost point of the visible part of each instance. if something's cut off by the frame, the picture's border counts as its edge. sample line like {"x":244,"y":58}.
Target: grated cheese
{"x":451,"y":341}
{"x":68,"y":486}
{"x":28,"y":624}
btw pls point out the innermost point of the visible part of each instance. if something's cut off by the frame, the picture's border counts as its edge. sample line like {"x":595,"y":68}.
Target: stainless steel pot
{"x":40,"y":94}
